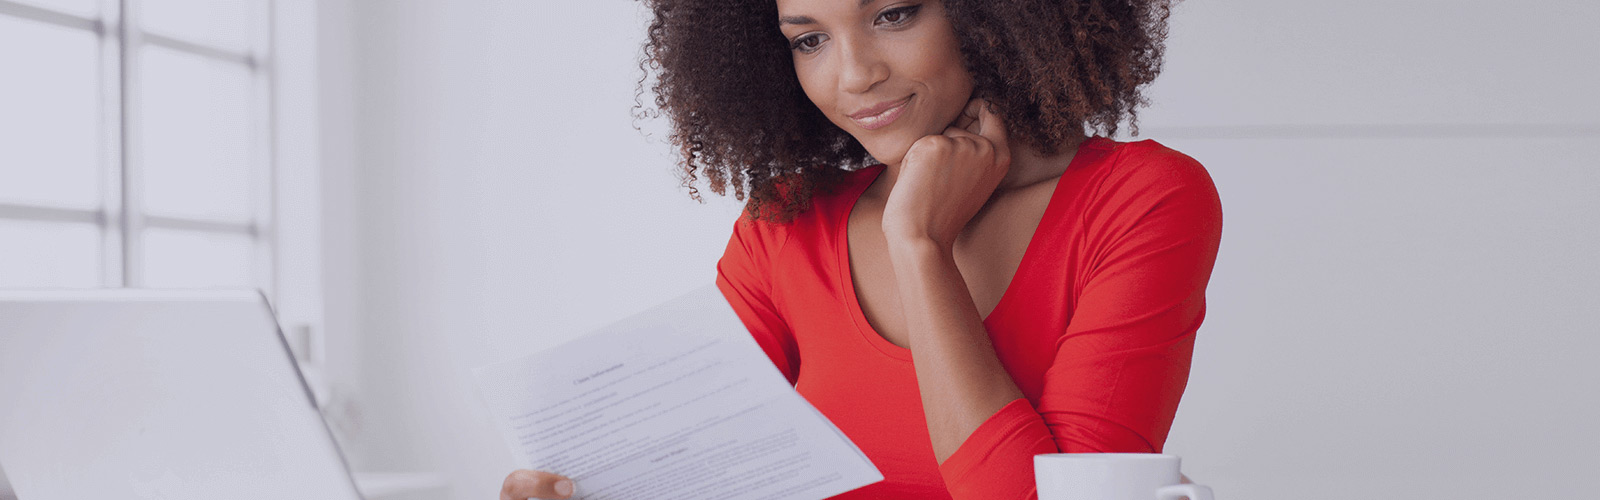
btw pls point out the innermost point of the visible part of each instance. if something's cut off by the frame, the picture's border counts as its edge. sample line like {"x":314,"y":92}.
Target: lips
{"x":881,"y":114}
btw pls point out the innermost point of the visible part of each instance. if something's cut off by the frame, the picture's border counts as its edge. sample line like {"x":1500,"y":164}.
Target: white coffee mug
{"x":1112,"y":476}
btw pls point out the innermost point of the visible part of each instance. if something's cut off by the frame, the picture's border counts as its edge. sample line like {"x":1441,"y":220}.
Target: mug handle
{"x":1176,"y":491}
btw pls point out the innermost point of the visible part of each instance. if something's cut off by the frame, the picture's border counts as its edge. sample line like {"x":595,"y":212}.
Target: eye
{"x":891,"y":17}
{"x":900,"y":15}
{"x":806,"y":44}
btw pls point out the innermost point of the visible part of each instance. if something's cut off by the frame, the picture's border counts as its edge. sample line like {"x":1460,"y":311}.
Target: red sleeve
{"x":1123,"y":362}
{"x":744,"y":276}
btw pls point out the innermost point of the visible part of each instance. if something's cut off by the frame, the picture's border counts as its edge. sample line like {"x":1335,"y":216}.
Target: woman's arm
{"x":1121,"y":365}
{"x":942,"y":183}
{"x":960,"y":377}
{"x":744,"y":277}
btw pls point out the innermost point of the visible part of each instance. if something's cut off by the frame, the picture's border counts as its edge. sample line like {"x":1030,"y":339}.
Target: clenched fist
{"x":946,"y":178}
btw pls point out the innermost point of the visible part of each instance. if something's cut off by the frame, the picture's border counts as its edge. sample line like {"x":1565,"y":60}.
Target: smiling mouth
{"x":883,"y":118}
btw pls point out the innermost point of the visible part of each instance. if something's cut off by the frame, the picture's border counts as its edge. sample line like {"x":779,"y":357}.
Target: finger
{"x":993,"y":128}
{"x":961,"y":133}
{"x":990,"y":125}
{"x":971,"y":113}
{"x":965,"y":119}
{"x":523,"y":484}
{"x":974,"y":107}
{"x":967,"y":142}
{"x":963,"y":122}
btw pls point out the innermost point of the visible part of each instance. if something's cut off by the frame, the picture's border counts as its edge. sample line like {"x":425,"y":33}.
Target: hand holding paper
{"x":676,"y":402}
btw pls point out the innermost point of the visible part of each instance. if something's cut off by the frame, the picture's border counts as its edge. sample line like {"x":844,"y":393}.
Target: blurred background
{"x":1404,"y":305}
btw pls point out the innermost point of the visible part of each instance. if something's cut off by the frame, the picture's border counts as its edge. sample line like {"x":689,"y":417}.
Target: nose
{"x":862,"y":66}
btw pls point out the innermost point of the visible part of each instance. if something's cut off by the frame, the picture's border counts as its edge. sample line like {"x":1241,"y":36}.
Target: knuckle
{"x":928,"y":146}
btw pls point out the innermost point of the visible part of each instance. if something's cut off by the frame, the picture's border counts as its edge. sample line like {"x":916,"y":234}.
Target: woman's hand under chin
{"x":945,"y":179}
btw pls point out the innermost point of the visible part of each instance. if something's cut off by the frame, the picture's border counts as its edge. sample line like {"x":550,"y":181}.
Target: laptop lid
{"x":122,"y":393}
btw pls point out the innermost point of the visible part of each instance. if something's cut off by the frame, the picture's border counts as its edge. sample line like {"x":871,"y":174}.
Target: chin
{"x":889,"y":154}
{"x":886,"y":158}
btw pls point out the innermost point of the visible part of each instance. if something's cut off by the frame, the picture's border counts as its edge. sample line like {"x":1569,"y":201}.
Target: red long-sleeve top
{"x":1097,"y":327}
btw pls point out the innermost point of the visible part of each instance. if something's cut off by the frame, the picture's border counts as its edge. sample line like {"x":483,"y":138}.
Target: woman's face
{"x":854,"y":57}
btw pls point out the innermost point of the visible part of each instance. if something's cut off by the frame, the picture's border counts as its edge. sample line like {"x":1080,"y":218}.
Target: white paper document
{"x":676,"y":402}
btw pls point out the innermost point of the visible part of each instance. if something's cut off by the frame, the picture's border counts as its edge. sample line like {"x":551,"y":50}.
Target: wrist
{"x":910,"y":249}
{"x":899,"y":235}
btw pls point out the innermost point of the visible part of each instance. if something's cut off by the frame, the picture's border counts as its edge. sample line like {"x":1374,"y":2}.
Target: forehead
{"x":784,"y":6}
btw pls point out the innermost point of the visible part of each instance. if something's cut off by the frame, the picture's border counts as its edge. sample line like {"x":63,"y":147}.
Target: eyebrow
{"x":807,"y":20}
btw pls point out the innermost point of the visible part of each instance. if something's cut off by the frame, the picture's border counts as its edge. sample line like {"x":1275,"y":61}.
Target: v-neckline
{"x":858,"y":316}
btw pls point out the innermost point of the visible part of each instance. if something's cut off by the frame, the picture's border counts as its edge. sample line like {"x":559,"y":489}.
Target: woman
{"x":990,"y":283}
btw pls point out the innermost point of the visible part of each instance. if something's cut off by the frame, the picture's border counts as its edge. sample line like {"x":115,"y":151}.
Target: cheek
{"x":811,"y":82}
{"x":821,"y":95}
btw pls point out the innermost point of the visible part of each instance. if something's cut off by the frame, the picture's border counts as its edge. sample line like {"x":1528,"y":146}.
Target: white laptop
{"x":145,"y":394}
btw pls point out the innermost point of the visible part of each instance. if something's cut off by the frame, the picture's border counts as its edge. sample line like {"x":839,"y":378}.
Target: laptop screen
{"x":151,"y":394}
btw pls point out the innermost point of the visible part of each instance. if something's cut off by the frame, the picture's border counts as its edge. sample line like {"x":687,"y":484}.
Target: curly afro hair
{"x":1052,"y":68}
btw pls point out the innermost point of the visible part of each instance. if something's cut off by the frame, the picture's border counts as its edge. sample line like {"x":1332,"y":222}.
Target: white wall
{"x":495,"y":199}
{"x":1398,"y":310}
{"x":1404,"y":297}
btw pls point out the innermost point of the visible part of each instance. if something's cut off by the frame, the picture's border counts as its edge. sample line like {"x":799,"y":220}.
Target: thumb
{"x":524,"y":484}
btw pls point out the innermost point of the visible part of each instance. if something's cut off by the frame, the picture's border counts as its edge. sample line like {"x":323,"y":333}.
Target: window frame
{"x":283,"y":158}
